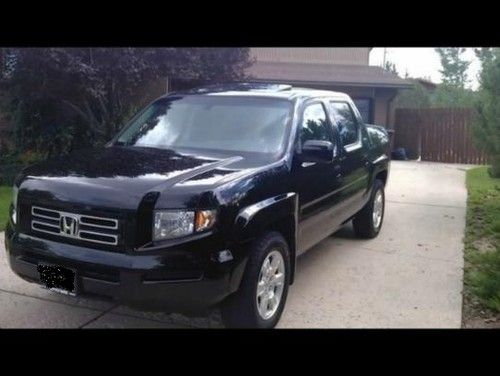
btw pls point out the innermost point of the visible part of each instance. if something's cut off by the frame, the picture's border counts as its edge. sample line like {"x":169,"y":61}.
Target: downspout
{"x":389,"y":108}
{"x":390,"y":127}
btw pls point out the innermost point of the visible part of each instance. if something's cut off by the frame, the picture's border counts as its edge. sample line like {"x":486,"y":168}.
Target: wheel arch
{"x":278,"y":213}
{"x":382,"y":175}
{"x":381,"y":166}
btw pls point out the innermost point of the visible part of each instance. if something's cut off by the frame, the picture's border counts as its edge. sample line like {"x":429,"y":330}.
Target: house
{"x":340,"y":69}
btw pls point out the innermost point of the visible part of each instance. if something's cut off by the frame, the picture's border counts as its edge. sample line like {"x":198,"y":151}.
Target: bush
{"x":494,"y":169}
{"x":11,"y":165}
{"x":64,"y":99}
{"x":9,"y":172}
{"x":487,"y":124}
{"x":485,"y":280}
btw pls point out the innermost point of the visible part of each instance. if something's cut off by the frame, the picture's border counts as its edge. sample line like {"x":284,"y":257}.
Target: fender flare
{"x":255,"y":219}
{"x":380,"y":164}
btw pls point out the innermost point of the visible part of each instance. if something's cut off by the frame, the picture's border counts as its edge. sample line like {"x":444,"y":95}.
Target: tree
{"x":416,"y":97}
{"x":452,"y":92}
{"x":62,"y":99}
{"x":484,"y":54}
{"x":391,"y":67}
{"x":452,"y":96}
{"x":454,"y":67}
{"x":487,"y":123}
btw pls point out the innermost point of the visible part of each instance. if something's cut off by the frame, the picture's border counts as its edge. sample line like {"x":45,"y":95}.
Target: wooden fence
{"x":438,"y":135}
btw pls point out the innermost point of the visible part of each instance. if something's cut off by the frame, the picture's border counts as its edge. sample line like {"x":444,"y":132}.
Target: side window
{"x":364,"y":106}
{"x":314,"y":124}
{"x":346,"y":123}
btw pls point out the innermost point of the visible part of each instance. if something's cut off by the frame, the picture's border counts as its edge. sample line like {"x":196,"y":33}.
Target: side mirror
{"x":318,"y":151}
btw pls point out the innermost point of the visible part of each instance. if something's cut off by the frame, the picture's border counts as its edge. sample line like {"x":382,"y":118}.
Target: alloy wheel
{"x":270,"y":284}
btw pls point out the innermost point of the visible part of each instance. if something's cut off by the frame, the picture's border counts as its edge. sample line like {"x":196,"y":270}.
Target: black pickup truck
{"x":206,"y":197}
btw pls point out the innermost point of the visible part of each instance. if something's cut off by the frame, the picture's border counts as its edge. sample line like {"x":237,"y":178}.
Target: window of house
{"x":346,"y":123}
{"x":314,"y":124}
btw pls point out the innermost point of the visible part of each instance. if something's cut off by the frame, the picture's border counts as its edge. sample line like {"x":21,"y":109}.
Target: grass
{"x":5,"y":199}
{"x":482,"y":239}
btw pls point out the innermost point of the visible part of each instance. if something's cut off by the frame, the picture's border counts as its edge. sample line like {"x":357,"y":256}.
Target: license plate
{"x":57,"y":278}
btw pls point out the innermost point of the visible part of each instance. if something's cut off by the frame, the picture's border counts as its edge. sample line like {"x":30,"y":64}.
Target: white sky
{"x":421,"y":62}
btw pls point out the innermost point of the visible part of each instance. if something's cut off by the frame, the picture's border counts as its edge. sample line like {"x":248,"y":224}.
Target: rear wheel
{"x":261,"y":298}
{"x":368,"y":221}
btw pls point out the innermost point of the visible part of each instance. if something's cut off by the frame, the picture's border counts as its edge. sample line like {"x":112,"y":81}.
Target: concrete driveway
{"x":408,"y":277}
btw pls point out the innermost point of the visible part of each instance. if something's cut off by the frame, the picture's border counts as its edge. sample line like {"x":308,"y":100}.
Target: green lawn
{"x":5,"y":199}
{"x":482,"y":239}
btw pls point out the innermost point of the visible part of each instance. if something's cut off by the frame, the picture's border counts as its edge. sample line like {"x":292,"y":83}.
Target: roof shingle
{"x":349,"y":75}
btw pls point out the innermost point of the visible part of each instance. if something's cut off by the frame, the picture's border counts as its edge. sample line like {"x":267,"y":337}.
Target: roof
{"x":428,"y":84}
{"x":258,"y":89}
{"x":312,"y":73}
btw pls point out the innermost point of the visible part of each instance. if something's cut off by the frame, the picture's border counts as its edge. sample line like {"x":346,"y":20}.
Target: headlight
{"x":15,"y":191}
{"x":170,"y":224}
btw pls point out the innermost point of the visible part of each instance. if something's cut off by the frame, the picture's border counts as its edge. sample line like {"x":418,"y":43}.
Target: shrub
{"x":63,"y":99}
{"x":485,"y":280}
{"x":487,"y":124}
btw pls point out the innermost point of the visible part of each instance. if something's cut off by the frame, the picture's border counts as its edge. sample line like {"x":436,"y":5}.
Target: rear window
{"x":346,"y":123}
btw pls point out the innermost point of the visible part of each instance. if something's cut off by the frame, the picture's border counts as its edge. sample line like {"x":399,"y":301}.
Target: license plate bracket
{"x":58,"y":278}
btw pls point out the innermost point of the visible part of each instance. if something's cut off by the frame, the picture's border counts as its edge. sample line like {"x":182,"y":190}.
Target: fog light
{"x":15,"y":192}
{"x":224,"y":256}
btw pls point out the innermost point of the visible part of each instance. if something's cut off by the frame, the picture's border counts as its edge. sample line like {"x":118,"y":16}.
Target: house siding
{"x":343,"y":59}
{"x":382,"y":100}
{"x":341,"y":56}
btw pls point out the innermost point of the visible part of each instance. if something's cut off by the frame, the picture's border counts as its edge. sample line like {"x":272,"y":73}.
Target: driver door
{"x":317,"y":183}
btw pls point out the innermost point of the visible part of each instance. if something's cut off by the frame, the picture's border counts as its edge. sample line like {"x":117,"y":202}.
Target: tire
{"x":365,"y":225}
{"x":241,"y":309}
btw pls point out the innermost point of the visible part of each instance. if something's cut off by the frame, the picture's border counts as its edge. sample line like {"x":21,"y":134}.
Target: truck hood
{"x":119,"y":177}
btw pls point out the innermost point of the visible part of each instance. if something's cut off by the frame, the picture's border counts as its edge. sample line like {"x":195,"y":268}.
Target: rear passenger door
{"x":354,"y":159}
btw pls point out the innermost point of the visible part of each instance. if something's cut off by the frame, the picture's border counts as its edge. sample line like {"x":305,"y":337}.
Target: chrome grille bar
{"x":100,"y":230}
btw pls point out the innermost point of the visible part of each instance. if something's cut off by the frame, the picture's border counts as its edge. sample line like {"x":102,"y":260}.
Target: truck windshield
{"x":244,"y":124}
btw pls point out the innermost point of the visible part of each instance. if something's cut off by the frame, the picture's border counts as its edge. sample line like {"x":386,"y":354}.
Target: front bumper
{"x":173,"y":279}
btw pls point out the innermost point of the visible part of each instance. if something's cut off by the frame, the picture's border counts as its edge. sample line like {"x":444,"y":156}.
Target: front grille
{"x":75,"y":226}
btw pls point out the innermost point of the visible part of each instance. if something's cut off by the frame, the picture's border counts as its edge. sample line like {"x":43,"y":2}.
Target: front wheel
{"x":261,"y":298}
{"x":368,"y":221}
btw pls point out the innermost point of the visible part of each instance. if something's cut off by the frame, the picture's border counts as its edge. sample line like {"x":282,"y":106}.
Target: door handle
{"x":337,"y":170}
